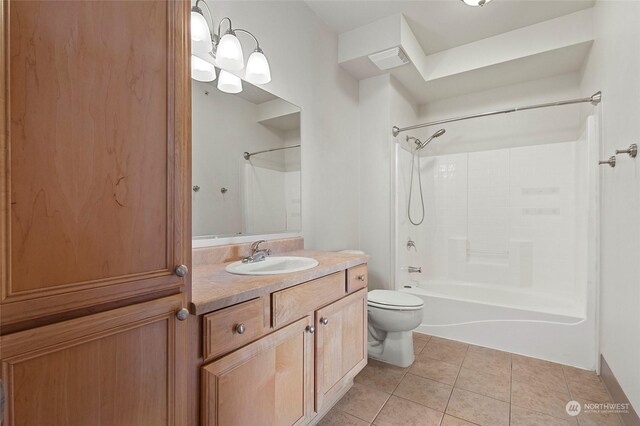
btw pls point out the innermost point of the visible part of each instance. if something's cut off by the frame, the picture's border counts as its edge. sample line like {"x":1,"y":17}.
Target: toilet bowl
{"x":393,"y":315}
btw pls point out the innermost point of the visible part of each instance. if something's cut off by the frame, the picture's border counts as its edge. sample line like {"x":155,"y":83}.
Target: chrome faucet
{"x":257,"y":254}
{"x":414,"y":269}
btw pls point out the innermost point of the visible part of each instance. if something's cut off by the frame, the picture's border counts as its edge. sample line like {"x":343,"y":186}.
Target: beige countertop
{"x":214,"y":288}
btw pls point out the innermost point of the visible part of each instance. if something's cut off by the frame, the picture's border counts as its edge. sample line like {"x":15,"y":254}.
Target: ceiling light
{"x":229,"y":83}
{"x":229,"y":52}
{"x":476,"y":2}
{"x":258,"y":71}
{"x":202,"y":70}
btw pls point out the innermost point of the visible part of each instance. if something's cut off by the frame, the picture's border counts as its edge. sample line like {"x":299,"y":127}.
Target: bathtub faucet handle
{"x":414,"y":269}
{"x":411,"y":245}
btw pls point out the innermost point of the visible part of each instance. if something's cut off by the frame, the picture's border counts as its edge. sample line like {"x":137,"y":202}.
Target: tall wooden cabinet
{"x":94,"y":210}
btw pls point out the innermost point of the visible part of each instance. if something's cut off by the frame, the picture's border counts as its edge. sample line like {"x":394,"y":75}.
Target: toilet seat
{"x":394,"y":300}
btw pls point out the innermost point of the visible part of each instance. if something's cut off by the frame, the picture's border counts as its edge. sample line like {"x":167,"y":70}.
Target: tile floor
{"x":454,"y":384}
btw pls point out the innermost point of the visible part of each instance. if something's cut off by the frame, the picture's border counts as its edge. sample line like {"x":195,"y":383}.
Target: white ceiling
{"x":441,"y":25}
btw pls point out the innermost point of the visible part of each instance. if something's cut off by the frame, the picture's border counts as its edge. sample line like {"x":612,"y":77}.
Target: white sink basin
{"x":273,"y":266}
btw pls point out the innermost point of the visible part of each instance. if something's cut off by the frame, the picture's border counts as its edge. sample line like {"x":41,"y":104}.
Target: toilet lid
{"x":391,"y":299}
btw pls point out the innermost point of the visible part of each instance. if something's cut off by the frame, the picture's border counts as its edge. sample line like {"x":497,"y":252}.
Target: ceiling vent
{"x":391,"y":58}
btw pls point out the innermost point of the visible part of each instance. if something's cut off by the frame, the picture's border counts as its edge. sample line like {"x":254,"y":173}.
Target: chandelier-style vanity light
{"x":210,"y":50}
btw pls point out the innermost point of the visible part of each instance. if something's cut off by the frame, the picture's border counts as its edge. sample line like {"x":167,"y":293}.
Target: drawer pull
{"x":361,"y":277}
{"x":324,"y":321}
{"x":311,"y":329}
{"x":240,"y":329}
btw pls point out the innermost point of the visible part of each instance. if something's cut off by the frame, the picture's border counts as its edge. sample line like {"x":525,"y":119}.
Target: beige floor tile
{"x":494,"y":353}
{"x":525,"y":417}
{"x":488,"y":363}
{"x":444,"y":352}
{"x":478,"y":409}
{"x":540,"y":373}
{"x":419,"y":342}
{"x":433,"y":369}
{"x":380,"y":375}
{"x":451,"y":343}
{"x":596,"y":417}
{"x":424,"y":391}
{"x":498,"y":387}
{"x":538,"y":399}
{"x":363,"y":402}
{"x":573,"y":375}
{"x":401,"y":412}
{"x":590,"y":391}
{"x":336,"y":417}
{"x":454,"y":421}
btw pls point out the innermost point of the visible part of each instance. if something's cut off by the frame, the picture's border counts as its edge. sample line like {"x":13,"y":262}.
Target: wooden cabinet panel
{"x":357,"y":278}
{"x":221,"y":327}
{"x":269,"y":382}
{"x":95,"y":184}
{"x":121,"y":367}
{"x":295,"y":302}
{"x":341,"y":344}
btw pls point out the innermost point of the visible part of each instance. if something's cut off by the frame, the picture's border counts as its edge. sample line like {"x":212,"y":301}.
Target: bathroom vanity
{"x":277,"y":349}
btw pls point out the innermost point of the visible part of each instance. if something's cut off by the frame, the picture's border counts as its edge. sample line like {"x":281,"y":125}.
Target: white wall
{"x":613,"y":68}
{"x":302,"y":54}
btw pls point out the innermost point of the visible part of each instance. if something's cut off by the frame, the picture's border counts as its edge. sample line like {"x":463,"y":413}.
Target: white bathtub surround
{"x":504,"y":248}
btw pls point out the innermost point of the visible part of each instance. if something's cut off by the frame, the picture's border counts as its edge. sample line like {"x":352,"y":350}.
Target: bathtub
{"x":509,"y":319}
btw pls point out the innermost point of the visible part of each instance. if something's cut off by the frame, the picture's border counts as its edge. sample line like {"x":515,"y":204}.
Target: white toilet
{"x":393,"y":315}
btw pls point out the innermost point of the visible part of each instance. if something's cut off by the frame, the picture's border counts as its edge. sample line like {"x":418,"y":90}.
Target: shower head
{"x":437,"y":134}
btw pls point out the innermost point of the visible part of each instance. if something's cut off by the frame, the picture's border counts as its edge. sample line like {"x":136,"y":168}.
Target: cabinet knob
{"x":182,"y":314}
{"x":324,"y":321}
{"x":360,"y":277}
{"x":240,"y":329}
{"x":182,"y":270}
{"x":311,"y":329}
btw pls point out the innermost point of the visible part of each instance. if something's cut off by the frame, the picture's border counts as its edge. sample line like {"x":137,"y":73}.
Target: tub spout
{"x":414,"y":269}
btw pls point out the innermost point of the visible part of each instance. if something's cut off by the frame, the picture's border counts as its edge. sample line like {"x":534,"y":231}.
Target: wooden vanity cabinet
{"x":341,"y":345}
{"x":317,"y":345}
{"x":269,"y":382}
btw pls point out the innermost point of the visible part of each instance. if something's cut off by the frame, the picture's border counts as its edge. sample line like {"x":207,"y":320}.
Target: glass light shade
{"x":258,"y":71}
{"x":229,"y":53}
{"x":229,"y":83}
{"x":202,"y":70}
{"x":200,"y":35}
{"x":476,"y":2}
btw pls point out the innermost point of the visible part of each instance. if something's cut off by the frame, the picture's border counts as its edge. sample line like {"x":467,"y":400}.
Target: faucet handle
{"x":256,"y":245}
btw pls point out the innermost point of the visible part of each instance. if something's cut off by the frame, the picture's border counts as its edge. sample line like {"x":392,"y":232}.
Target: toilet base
{"x":396,"y":349}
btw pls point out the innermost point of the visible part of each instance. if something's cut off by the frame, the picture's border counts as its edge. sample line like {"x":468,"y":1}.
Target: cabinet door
{"x":269,"y":382}
{"x":95,"y":98}
{"x":341,"y":345}
{"x":121,"y":367}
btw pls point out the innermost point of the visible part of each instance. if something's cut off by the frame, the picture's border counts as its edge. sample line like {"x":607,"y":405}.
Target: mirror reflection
{"x":246,"y":162}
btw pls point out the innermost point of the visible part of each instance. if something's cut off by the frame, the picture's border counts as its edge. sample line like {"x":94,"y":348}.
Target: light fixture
{"x":476,"y":2}
{"x":229,"y":52}
{"x":201,"y":69}
{"x":226,"y":50}
{"x":258,"y":71}
{"x":229,"y":83}
{"x":200,"y":34}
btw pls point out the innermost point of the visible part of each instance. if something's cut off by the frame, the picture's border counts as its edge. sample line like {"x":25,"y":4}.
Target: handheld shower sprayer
{"x":419,"y":145}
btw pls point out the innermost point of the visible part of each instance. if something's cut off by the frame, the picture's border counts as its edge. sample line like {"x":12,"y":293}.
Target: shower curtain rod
{"x":594,"y":100}
{"x":247,"y":155}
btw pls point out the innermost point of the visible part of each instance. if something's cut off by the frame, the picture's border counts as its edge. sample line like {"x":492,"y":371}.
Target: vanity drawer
{"x":295,"y":302}
{"x":357,"y":278}
{"x":232,"y":327}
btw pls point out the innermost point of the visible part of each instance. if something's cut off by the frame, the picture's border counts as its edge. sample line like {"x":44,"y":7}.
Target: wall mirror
{"x":246,"y":164}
